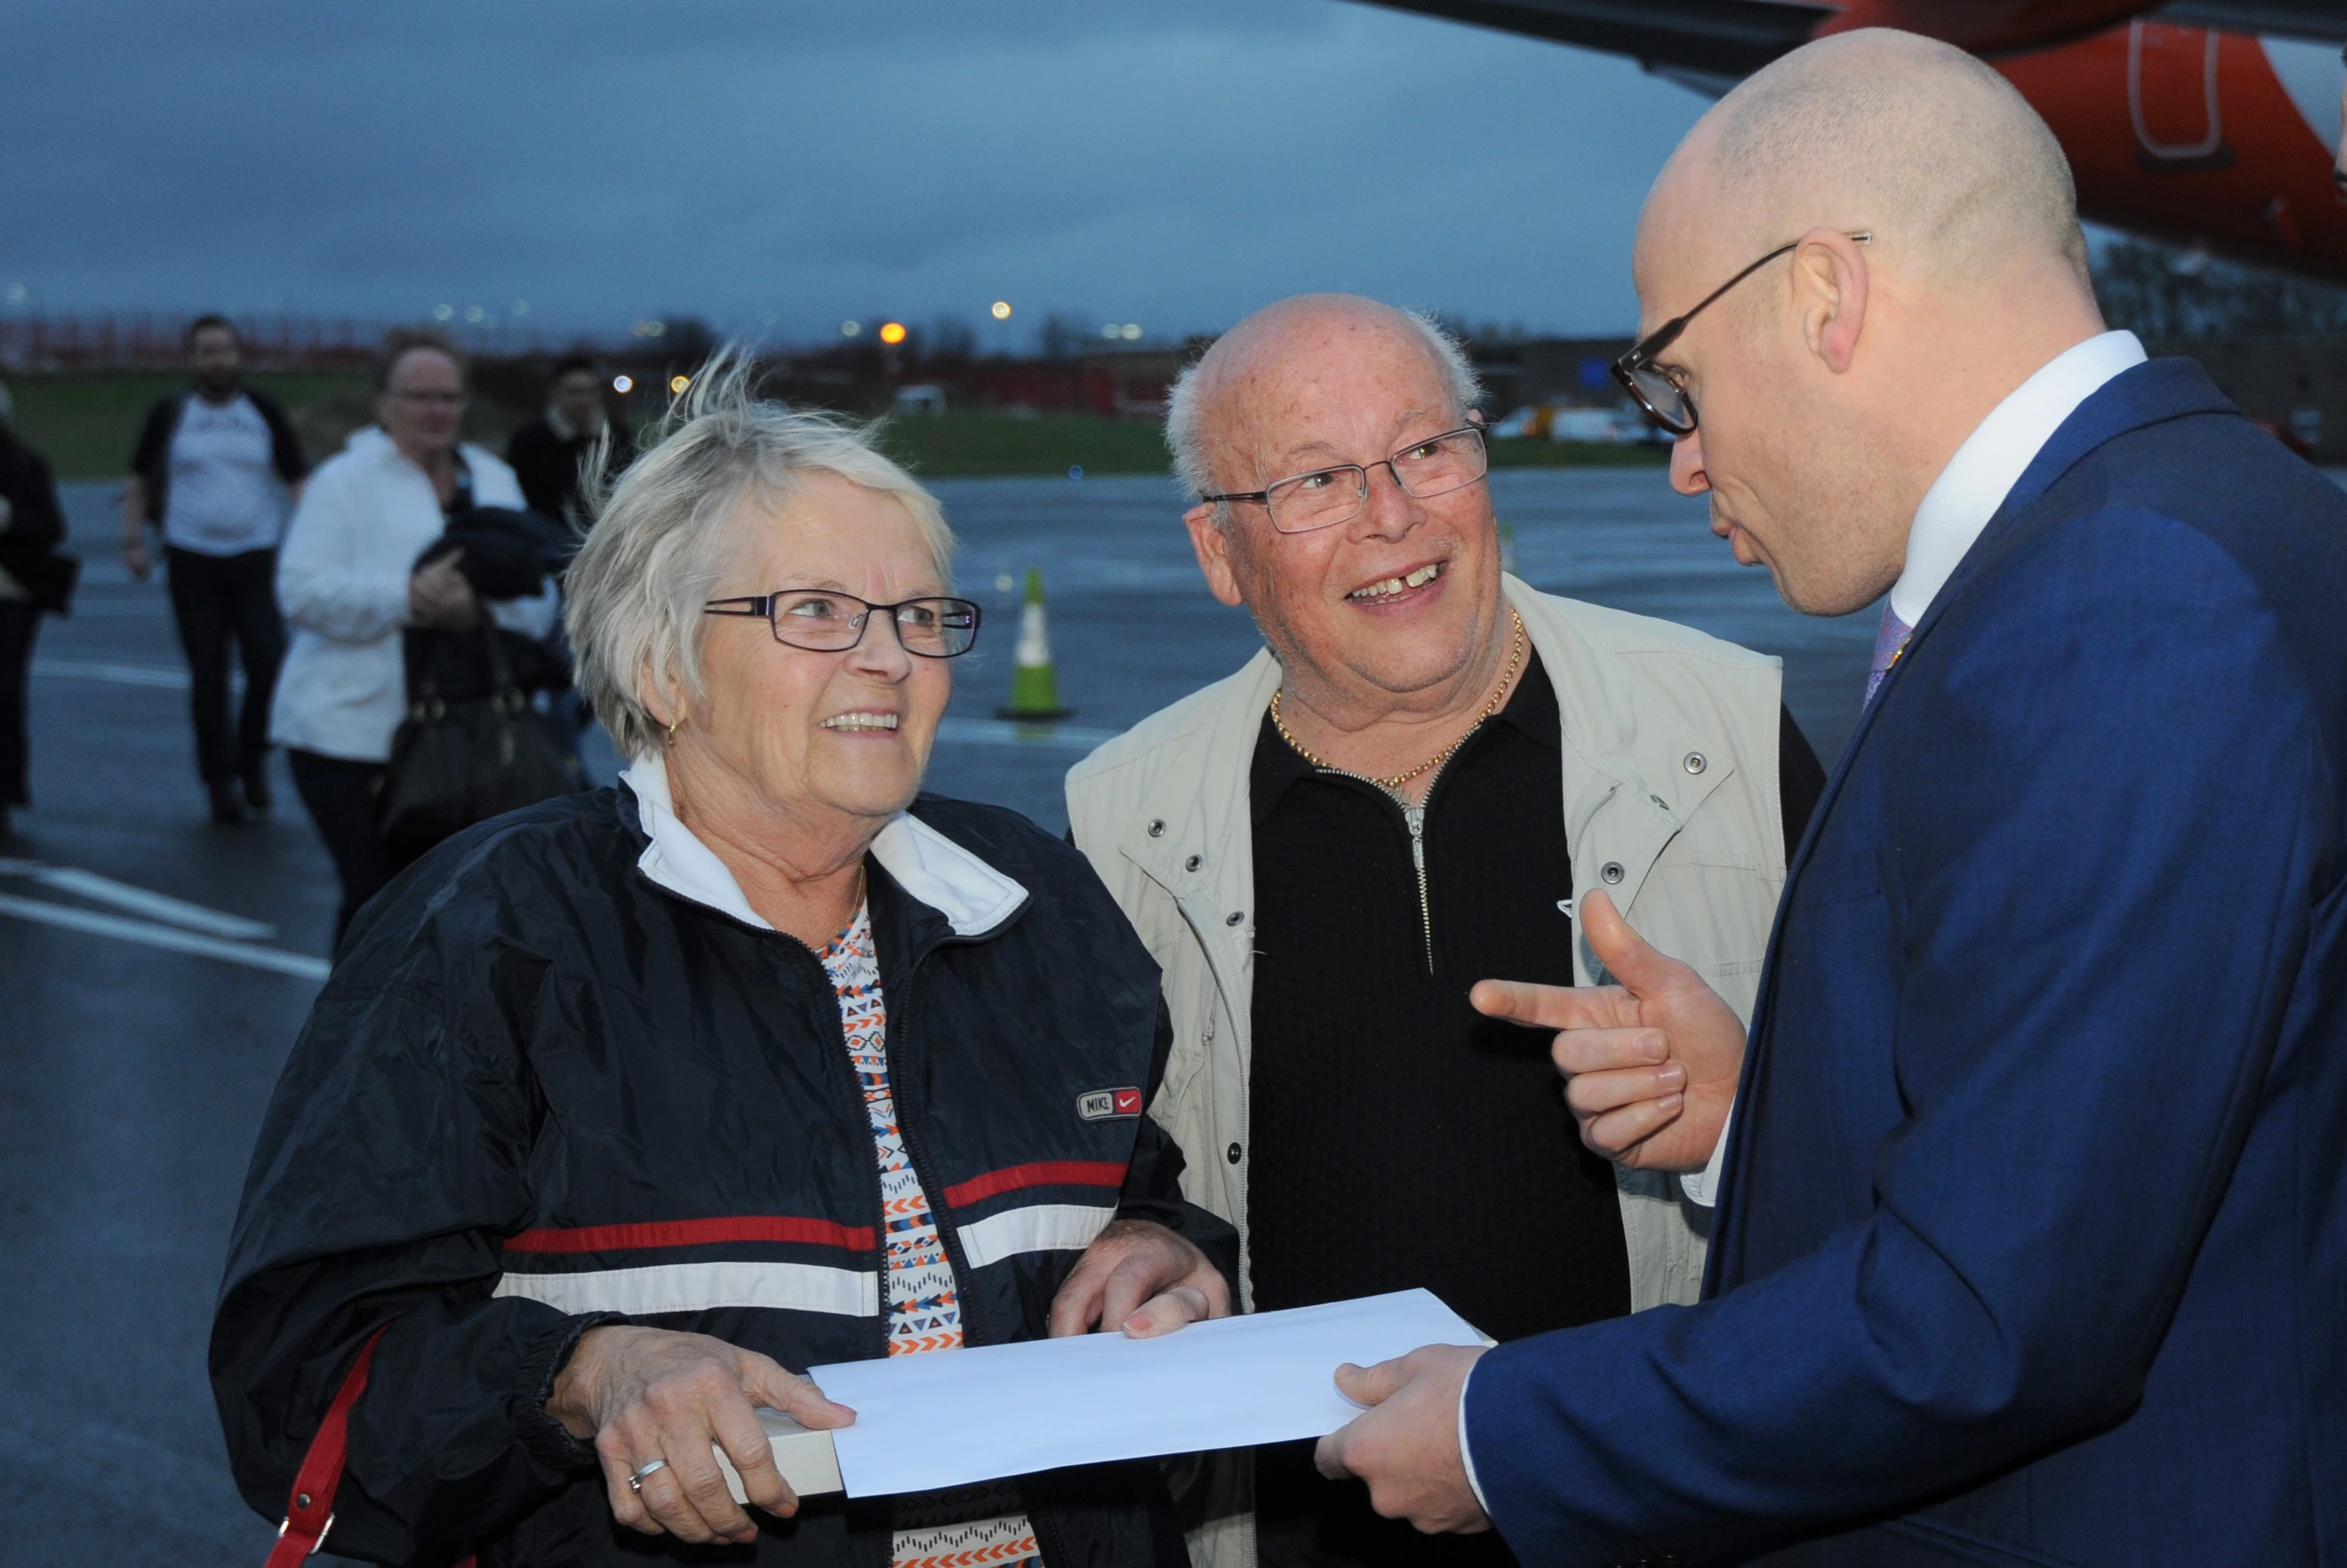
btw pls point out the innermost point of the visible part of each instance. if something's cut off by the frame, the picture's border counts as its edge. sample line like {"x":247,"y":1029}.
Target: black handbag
{"x":462,"y":760}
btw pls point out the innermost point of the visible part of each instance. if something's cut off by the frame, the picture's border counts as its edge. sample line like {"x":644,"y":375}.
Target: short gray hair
{"x":658,"y":545}
{"x":1184,"y":413}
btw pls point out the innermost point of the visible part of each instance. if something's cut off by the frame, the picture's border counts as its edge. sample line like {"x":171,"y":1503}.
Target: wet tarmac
{"x":157,"y":967}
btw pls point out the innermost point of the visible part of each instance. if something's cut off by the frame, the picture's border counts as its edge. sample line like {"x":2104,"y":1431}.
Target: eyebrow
{"x":1303,"y":448}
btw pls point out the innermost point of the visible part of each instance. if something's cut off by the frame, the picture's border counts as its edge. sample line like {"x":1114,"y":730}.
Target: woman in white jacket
{"x":347,"y":582}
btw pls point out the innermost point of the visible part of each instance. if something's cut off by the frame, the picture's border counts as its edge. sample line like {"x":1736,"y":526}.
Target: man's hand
{"x":136,"y":556}
{"x":649,"y":1395}
{"x":438,"y":595}
{"x":1650,"y":1063}
{"x":1139,"y":1277}
{"x":1406,"y":1446}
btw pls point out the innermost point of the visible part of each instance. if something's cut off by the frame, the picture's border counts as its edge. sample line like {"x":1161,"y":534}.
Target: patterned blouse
{"x":978,"y":1526}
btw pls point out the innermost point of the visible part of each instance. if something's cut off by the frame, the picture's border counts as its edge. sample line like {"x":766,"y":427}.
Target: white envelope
{"x":950,"y":1416}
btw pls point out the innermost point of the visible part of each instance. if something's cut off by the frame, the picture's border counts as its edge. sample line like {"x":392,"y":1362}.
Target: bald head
{"x":1288,"y":343}
{"x":1908,"y":139}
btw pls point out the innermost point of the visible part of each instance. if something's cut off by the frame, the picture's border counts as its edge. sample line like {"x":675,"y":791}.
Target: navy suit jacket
{"x":2033,"y":1241}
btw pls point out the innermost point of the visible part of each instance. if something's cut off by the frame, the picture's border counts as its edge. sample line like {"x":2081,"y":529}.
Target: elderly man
{"x":1408,"y":791}
{"x":2030,"y":1248}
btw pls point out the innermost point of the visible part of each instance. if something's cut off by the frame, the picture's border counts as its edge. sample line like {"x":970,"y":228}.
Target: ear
{"x":1214,"y":548}
{"x":660,"y":699}
{"x":1833,"y":289}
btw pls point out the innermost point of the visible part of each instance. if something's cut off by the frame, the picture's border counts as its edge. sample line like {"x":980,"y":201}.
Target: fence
{"x":147,"y":341}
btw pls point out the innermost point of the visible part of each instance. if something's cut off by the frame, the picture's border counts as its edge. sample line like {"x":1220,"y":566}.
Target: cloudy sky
{"x":1173,"y":165}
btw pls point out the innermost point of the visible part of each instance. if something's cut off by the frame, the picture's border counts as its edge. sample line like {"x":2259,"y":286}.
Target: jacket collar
{"x":976,"y":899}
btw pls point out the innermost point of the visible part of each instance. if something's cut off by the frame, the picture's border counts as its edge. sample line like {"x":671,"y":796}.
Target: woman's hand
{"x":647,"y":1394}
{"x":439,"y":597}
{"x":1143,"y":1278}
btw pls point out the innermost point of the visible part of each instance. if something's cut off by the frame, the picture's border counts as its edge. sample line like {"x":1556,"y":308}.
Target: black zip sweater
{"x":541,"y":1092}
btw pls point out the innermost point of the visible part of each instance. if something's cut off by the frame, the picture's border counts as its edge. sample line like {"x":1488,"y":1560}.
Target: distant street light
{"x":1132,"y":331}
{"x":849,"y":329}
{"x":519,"y":308}
{"x":623,"y":383}
{"x":677,"y":384}
{"x":442,"y":313}
{"x":1110,"y":330}
{"x":475,"y":313}
{"x":892,"y":332}
{"x":1001,"y":310}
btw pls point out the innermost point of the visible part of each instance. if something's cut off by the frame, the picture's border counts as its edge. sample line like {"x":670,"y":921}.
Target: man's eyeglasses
{"x":823,"y":621}
{"x":1326,"y":497}
{"x":1658,"y":390}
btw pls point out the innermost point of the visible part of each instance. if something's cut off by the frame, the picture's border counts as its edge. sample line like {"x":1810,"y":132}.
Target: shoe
{"x":226,"y":806}
{"x":256,"y":791}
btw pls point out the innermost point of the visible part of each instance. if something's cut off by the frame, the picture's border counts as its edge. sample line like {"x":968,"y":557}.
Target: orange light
{"x":1001,"y":310}
{"x":892,"y":332}
{"x":677,"y":384}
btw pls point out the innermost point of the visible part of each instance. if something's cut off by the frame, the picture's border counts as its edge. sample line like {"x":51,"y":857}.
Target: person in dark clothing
{"x":215,"y":470}
{"x":760,"y":1061}
{"x":1409,"y":790}
{"x":549,"y":455}
{"x":34,"y":580}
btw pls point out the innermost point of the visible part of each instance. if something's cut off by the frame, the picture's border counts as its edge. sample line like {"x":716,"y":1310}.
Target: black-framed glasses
{"x":1326,"y":497}
{"x":823,"y":620}
{"x":1658,"y":391}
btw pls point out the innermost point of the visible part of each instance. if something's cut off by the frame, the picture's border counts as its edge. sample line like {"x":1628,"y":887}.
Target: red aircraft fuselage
{"x":2176,"y":118}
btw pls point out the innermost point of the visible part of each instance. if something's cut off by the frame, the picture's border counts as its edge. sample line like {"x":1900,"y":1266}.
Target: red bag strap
{"x":310,"y":1507}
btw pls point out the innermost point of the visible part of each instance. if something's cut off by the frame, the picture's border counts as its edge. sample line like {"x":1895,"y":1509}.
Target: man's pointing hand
{"x":1650,"y":1063}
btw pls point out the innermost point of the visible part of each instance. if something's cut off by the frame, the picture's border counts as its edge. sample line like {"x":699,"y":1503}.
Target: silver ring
{"x":636,"y":1476}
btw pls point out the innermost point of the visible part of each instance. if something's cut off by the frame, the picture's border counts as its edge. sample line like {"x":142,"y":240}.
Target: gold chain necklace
{"x":1515,"y":657}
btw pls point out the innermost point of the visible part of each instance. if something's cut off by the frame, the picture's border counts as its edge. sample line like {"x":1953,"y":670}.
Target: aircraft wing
{"x":1712,"y":44}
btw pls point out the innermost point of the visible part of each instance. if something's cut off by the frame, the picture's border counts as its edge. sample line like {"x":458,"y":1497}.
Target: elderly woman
{"x":618,"y":1108}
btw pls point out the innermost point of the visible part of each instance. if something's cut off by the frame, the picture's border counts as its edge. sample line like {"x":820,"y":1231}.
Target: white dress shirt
{"x":1960,"y":503}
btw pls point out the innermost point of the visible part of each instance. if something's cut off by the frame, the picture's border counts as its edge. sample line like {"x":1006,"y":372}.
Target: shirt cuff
{"x":1703,"y":1186}
{"x":1466,"y":1457}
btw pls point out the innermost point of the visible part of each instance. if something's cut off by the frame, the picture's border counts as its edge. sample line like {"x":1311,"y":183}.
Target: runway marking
{"x":1007,"y":733}
{"x":155,"y":906}
{"x":155,"y":675}
{"x":960,"y":732}
{"x":167,"y":936}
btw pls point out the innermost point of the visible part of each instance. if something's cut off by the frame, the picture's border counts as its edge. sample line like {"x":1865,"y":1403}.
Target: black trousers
{"x":340,"y":796}
{"x":217,"y":599}
{"x":19,"y":620}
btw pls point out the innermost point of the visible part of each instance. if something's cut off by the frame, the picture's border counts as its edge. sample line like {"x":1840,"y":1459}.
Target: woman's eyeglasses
{"x":824,"y":621}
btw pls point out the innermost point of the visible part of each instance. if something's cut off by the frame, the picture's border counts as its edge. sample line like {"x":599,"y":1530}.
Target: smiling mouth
{"x":860,"y":721}
{"x":1394,"y":586}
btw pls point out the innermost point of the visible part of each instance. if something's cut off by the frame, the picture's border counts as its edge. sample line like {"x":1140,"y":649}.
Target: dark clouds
{"x":1171,"y":165}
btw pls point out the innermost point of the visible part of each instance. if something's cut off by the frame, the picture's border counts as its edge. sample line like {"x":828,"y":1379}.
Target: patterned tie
{"x":1889,"y":644}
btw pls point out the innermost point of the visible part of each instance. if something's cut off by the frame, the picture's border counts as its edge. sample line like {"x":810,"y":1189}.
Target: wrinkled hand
{"x":1650,"y":1063}
{"x":1406,"y":1446}
{"x":1143,"y":1278}
{"x":646,"y":1394}
{"x":439,"y":597}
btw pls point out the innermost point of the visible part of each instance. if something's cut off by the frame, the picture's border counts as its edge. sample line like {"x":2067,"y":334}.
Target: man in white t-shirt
{"x":216,"y":468}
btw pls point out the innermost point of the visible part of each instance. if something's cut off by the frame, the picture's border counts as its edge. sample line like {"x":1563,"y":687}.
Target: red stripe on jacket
{"x":696,"y":1233}
{"x":1050,"y":1174}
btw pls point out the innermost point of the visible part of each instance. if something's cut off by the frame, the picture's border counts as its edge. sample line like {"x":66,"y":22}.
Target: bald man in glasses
{"x":2030,"y":1179}
{"x":1407,"y":791}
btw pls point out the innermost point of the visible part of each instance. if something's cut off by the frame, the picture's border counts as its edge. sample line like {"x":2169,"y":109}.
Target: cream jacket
{"x":1671,"y":806}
